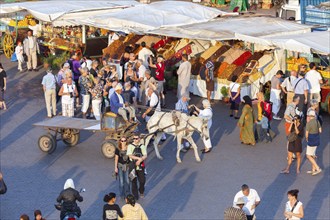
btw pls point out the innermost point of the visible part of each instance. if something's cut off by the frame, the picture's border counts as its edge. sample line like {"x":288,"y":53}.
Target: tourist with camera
{"x":68,"y":92}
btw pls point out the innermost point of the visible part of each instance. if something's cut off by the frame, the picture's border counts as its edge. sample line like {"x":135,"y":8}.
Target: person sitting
{"x":118,"y":105}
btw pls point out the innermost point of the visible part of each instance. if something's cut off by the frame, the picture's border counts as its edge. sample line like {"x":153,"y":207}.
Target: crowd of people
{"x":95,"y":88}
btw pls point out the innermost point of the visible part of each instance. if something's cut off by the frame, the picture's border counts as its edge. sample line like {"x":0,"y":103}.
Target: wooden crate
{"x":267,"y":5}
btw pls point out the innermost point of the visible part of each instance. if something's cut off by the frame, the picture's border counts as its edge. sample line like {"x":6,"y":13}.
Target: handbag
{"x":292,"y":137}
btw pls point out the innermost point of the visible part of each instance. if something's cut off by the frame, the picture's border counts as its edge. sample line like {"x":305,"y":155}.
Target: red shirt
{"x":160,"y":71}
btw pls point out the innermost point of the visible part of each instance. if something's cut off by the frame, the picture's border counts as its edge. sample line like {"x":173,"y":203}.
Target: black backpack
{"x":137,"y":151}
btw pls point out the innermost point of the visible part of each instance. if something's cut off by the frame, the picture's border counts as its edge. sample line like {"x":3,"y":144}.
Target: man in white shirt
{"x":314,"y":80}
{"x":184,"y":73}
{"x":251,"y":199}
{"x":144,"y":54}
{"x":287,"y":87}
{"x":207,"y":114}
{"x":31,"y":48}
{"x":112,"y":37}
{"x":141,"y":70}
{"x":275,"y":94}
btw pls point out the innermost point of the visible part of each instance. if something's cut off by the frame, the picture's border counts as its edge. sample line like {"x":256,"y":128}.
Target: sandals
{"x":285,"y":172}
{"x":204,"y":151}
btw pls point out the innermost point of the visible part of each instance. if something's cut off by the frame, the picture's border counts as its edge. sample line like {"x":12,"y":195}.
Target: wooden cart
{"x":9,"y":36}
{"x":68,"y":130}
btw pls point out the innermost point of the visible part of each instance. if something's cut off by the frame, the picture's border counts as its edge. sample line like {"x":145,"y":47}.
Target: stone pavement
{"x":189,"y":190}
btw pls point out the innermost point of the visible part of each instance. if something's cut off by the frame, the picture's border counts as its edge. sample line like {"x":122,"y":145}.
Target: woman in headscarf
{"x":68,"y":198}
{"x":246,"y":122}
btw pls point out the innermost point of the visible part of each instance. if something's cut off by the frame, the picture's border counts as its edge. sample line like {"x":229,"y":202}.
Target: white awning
{"x":250,"y":29}
{"x":145,"y":17}
{"x":51,"y":10}
{"x":318,"y":42}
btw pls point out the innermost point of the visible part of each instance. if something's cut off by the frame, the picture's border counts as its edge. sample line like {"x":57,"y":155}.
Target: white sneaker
{"x":187,"y":144}
{"x":277,"y":118}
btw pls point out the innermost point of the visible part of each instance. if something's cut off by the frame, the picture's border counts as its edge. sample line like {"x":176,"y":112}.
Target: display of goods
{"x":218,"y":72}
{"x":255,"y":56}
{"x":162,"y":43}
{"x":181,"y":44}
{"x":21,"y":23}
{"x":184,"y":50}
{"x":293,"y":60}
{"x":228,"y":71}
{"x":237,"y":72}
{"x":116,"y":49}
{"x":149,"y":40}
{"x":231,"y":55}
{"x":209,"y":52}
{"x":198,"y":47}
{"x":219,"y":52}
{"x":241,"y":60}
{"x":131,"y":39}
{"x":251,"y":67}
{"x":325,"y":73}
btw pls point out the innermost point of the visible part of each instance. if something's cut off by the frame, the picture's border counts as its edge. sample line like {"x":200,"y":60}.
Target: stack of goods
{"x":293,"y":63}
{"x":325,"y":72}
{"x":255,"y":56}
{"x":27,"y":20}
{"x":241,"y":60}
{"x":219,"y":52}
{"x":209,"y":52}
{"x":162,"y":43}
{"x":231,"y":55}
{"x":149,"y":40}
{"x":319,"y":14}
{"x":167,"y":51}
{"x":117,"y":48}
{"x":112,"y":49}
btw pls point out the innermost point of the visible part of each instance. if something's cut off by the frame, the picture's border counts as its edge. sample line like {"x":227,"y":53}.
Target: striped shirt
{"x":233,"y":213}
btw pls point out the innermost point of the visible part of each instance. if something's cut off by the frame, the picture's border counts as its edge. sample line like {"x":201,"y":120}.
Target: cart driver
{"x":119,"y":106}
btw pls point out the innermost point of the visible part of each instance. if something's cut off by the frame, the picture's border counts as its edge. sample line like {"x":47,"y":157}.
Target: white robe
{"x":184,"y":73}
{"x":275,"y":98}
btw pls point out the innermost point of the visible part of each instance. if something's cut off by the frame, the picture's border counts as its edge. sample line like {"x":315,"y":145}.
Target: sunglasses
{"x":136,"y":138}
{"x":123,"y":140}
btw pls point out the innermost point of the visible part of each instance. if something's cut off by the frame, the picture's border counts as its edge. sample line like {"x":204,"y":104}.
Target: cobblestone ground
{"x":189,"y":190}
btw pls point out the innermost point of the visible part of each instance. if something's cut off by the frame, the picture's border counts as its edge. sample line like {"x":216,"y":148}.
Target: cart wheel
{"x":47,"y":143}
{"x":108,"y":148}
{"x":8,"y":45}
{"x":70,"y":137}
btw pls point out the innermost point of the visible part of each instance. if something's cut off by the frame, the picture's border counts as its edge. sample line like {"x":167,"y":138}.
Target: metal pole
{"x":84,"y":34}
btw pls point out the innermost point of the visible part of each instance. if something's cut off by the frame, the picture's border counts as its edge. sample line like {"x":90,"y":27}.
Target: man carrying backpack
{"x":137,"y":153}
